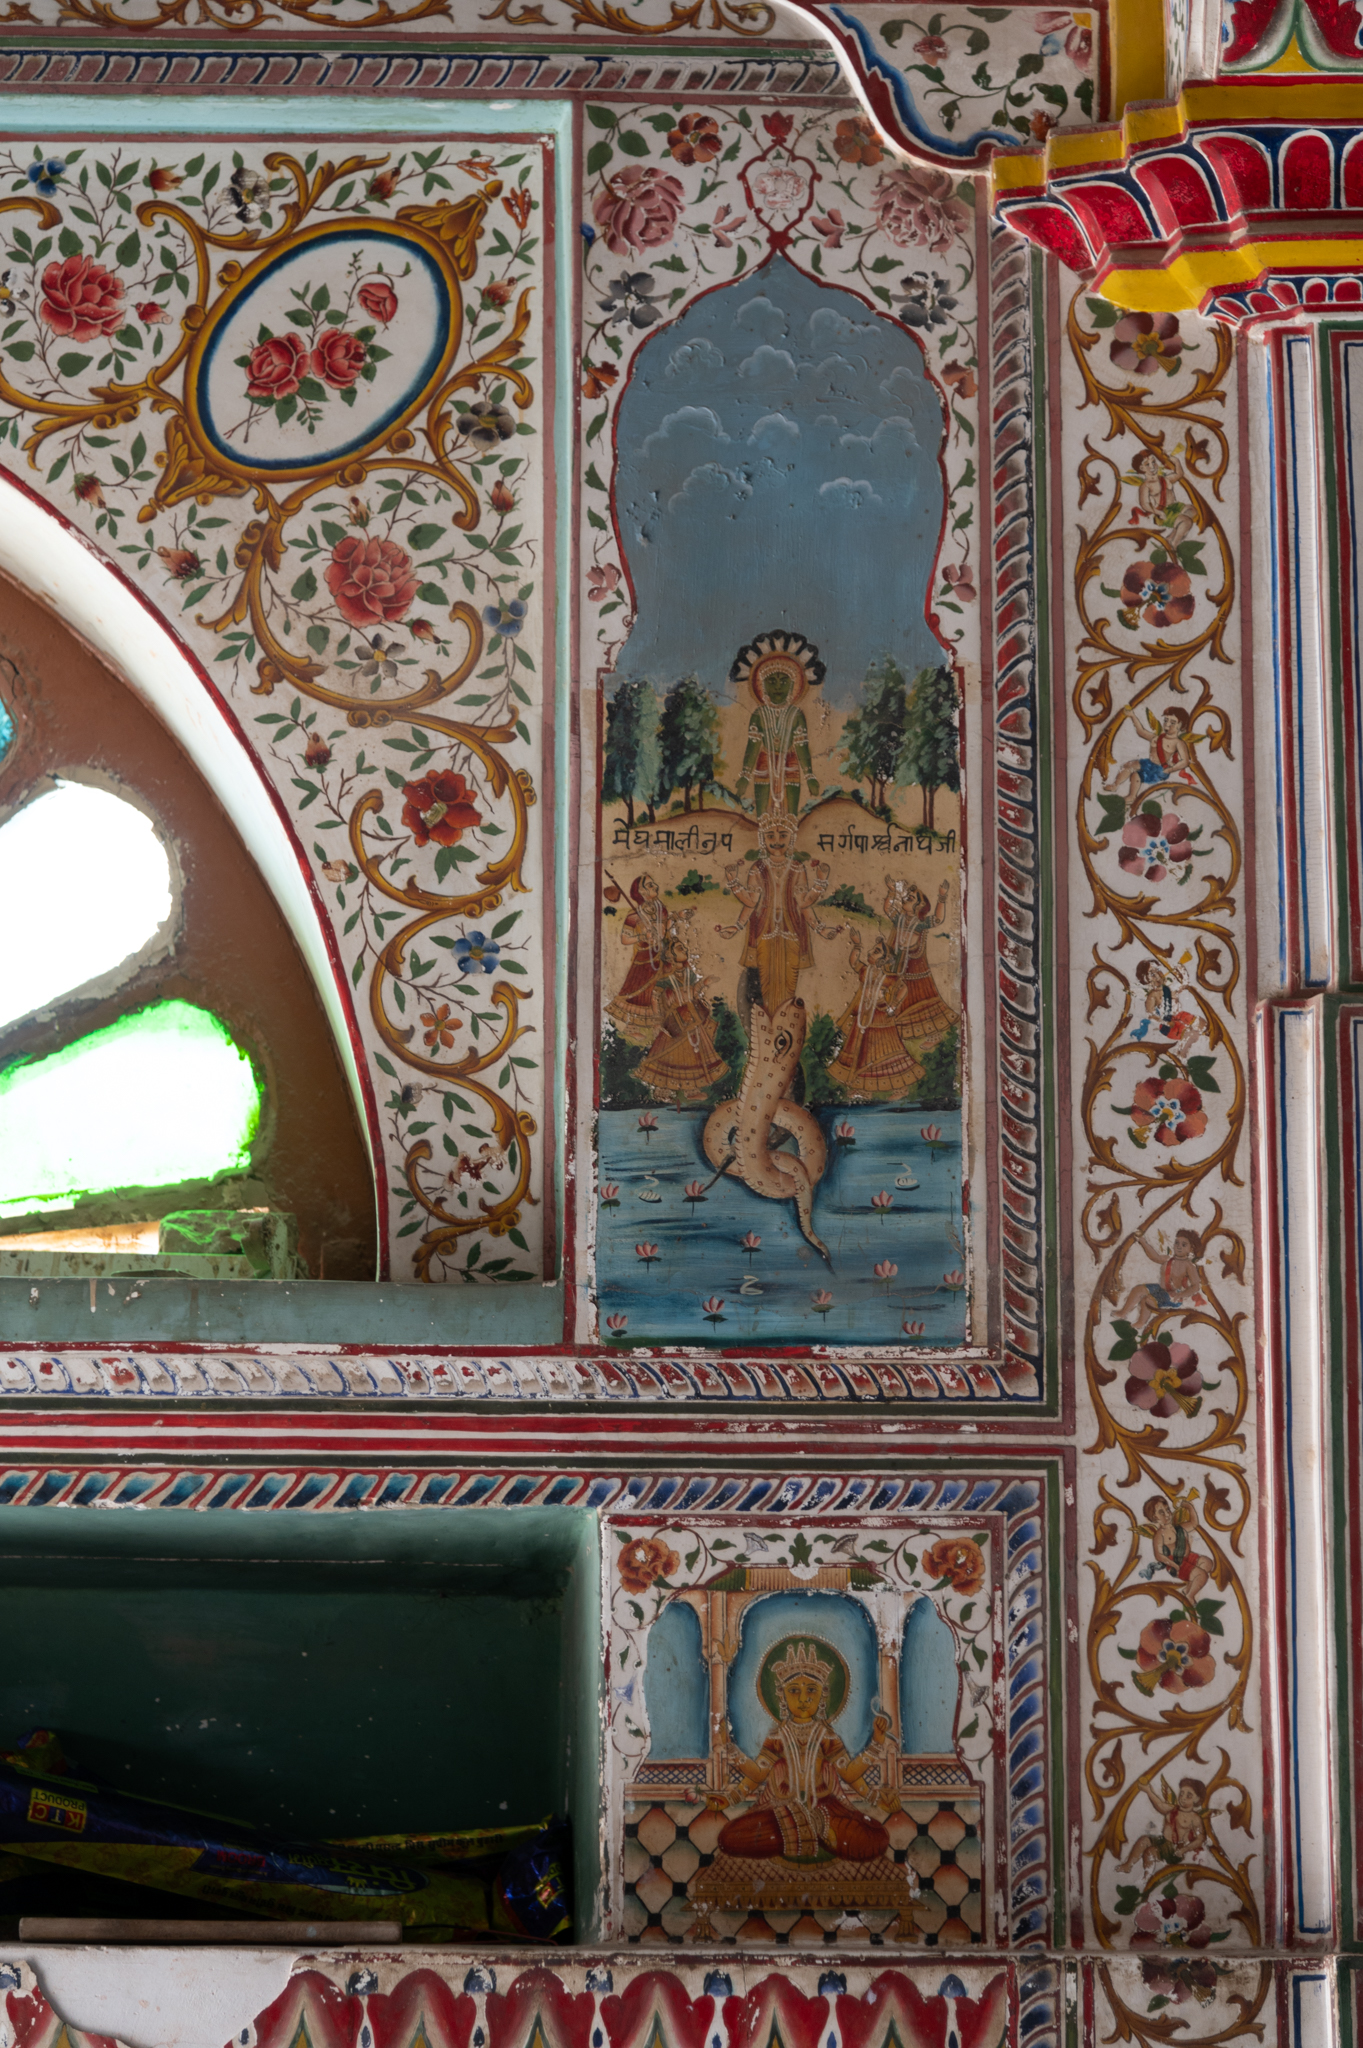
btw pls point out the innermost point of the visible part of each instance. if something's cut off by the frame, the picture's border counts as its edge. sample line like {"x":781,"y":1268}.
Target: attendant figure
{"x":1183,"y":1833}
{"x":1158,"y":478}
{"x":923,"y":1016}
{"x":1181,"y":1283}
{"x":1182,"y":1028}
{"x":1169,"y":1523}
{"x":682,"y":1062}
{"x":647,"y":929}
{"x":1171,"y":753}
{"x":873,"y":1058}
{"x":800,"y":1777}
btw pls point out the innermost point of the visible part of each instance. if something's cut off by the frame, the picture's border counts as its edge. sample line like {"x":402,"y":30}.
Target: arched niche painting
{"x":781,"y":1027}
{"x":810,"y":1749}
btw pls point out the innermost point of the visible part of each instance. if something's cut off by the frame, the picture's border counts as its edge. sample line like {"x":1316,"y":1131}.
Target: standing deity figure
{"x":922,"y":1014}
{"x":647,"y":929}
{"x":778,"y":670}
{"x":778,"y":893}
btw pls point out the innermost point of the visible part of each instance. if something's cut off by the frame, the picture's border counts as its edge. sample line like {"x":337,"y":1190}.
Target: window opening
{"x":113,"y":906}
{"x":161,"y":1097}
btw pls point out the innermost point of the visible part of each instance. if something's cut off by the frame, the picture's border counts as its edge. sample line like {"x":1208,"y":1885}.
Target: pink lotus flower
{"x":913,"y":1329}
{"x":883,"y":1201}
{"x":610,"y":1194}
{"x":647,"y":1252}
{"x":955,"y":1280}
{"x":931,"y":1134}
{"x":695,"y":1191}
{"x":751,"y":1243}
{"x":885,"y":1269}
{"x":648,"y":1123}
{"x":617,"y":1325}
{"x":602,"y":578}
{"x":712,"y":1309}
{"x":822,"y":1301}
{"x":846,"y":1134}
{"x":829,"y":226}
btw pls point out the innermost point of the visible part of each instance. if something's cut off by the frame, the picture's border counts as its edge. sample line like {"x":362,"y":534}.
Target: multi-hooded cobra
{"x":738,"y":1135}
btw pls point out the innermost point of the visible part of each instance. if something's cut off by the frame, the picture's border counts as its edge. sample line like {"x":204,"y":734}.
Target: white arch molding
{"x":51,"y":562}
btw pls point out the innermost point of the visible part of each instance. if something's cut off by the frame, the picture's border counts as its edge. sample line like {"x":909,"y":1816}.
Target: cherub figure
{"x":1170,"y":755}
{"x":1183,"y":1832}
{"x":1158,"y":479}
{"x":1182,"y":1028}
{"x":1181,"y":1283}
{"x":1168,"y":1524}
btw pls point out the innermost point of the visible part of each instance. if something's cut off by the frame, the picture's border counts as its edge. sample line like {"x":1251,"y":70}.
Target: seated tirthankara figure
{"x":799,"y":1776}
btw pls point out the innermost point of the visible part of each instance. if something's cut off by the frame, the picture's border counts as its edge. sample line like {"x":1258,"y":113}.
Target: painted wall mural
{"x":781,"y":834}
{"x":807,"y":1726}
{"x":1173,"y":1764}
{"x":297,"y":399}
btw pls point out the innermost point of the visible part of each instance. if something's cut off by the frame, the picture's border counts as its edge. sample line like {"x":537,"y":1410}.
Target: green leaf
{"x":1030,"y":64}
{"x":1129,"y":1340}
{"x":598,"y":156}
{"x":128,"y":250}
{"x":72,"y":365}
{"x":632,"y":144}
{"x":305,"y":587}
{"x":1201,"y":1075}
{"x":386,"y":1065}
{"x":68,"y":242}
{"x":20,"y":351}
{"x":601,"y":117}
{"x":425,"y":536}
{"x":431,"y":593}
{"x":1128,"y":1898}
{"x":318,"y":637}
{"x":1102,"y":313}
{"x":1208,"y":1612}
{"x":1113,"y":809}
{"x":976,"y":41}
{"x":504,"y":924}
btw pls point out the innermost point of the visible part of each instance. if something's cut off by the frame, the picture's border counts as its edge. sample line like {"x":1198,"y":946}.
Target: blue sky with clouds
{"x":778,"y":466}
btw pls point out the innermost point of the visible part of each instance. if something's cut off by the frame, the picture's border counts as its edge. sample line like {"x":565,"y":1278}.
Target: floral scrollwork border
{"x":1171,"y":1053}
{"x":747,"y":18}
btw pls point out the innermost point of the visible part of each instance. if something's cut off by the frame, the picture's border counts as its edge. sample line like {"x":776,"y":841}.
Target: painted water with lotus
{"x":683,"y":1257}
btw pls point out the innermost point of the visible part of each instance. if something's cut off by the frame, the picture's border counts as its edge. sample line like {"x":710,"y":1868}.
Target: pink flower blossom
{"x":931,"y":1133}
{"x":647,"y":1252}
{"x":638,"y":209}
{"x":918,"y":208}
{"x":725,"y":226}
{"x":602,"y":579}
{"x":885,"y":1269}
{"x":955,"y":1279}
{"x":617,"y":1325}
{"x":829,"y":226}
{"x":913,"y":1329}
{"x":884,"y":1200}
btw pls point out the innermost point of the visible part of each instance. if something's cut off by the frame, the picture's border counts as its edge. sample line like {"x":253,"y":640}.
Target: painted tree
{"x":929,"y":749}
{"x":688,"y":739}
{"x":871,"y":737}
{"x":632,"y":756}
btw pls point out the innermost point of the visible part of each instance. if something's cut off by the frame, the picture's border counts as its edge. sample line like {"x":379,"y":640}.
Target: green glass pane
{"x":163,"y":1096}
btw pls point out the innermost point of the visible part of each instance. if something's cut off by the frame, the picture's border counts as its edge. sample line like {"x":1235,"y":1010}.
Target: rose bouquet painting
{"x":321,"y":354}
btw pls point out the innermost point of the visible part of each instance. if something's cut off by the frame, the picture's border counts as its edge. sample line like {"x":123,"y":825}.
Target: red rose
{"x":1153,"y":842}
{"x":1165,"y":1380}
{"x":150,"y":314}
{"x":338,"y":358}
{"x":379,"y":299}
{"x":645,"y":1560}
{"x":181,"y":563}
{"x":81,"y":300}
{"x":1174,"y":1108}
{"x":277,"y":367}
{"x":1173,"y":1655}
{"x":437,"y":807}
{"x":962,"y":1563}
{"x":695,"y":139}
{"x":638,"y":209}
{"x":1162,"y":592}
{"x":370,"y":580}
{"x":918,"y":208}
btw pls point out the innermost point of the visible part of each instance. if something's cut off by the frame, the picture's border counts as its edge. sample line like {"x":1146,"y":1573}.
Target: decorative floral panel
{"x":297,"y":396}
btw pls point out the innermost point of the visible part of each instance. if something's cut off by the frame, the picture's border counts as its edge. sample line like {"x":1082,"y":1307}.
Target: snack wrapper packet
{"x":507,"y":1883}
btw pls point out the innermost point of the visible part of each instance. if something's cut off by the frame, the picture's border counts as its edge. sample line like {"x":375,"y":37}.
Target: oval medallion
{"x":322,"y":348}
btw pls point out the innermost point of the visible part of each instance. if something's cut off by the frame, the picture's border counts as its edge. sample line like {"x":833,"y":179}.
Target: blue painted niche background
{"x":777,"y":465}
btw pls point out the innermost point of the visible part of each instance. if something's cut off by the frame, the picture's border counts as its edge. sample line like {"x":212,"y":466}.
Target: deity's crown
{"x":802,"y":1660}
